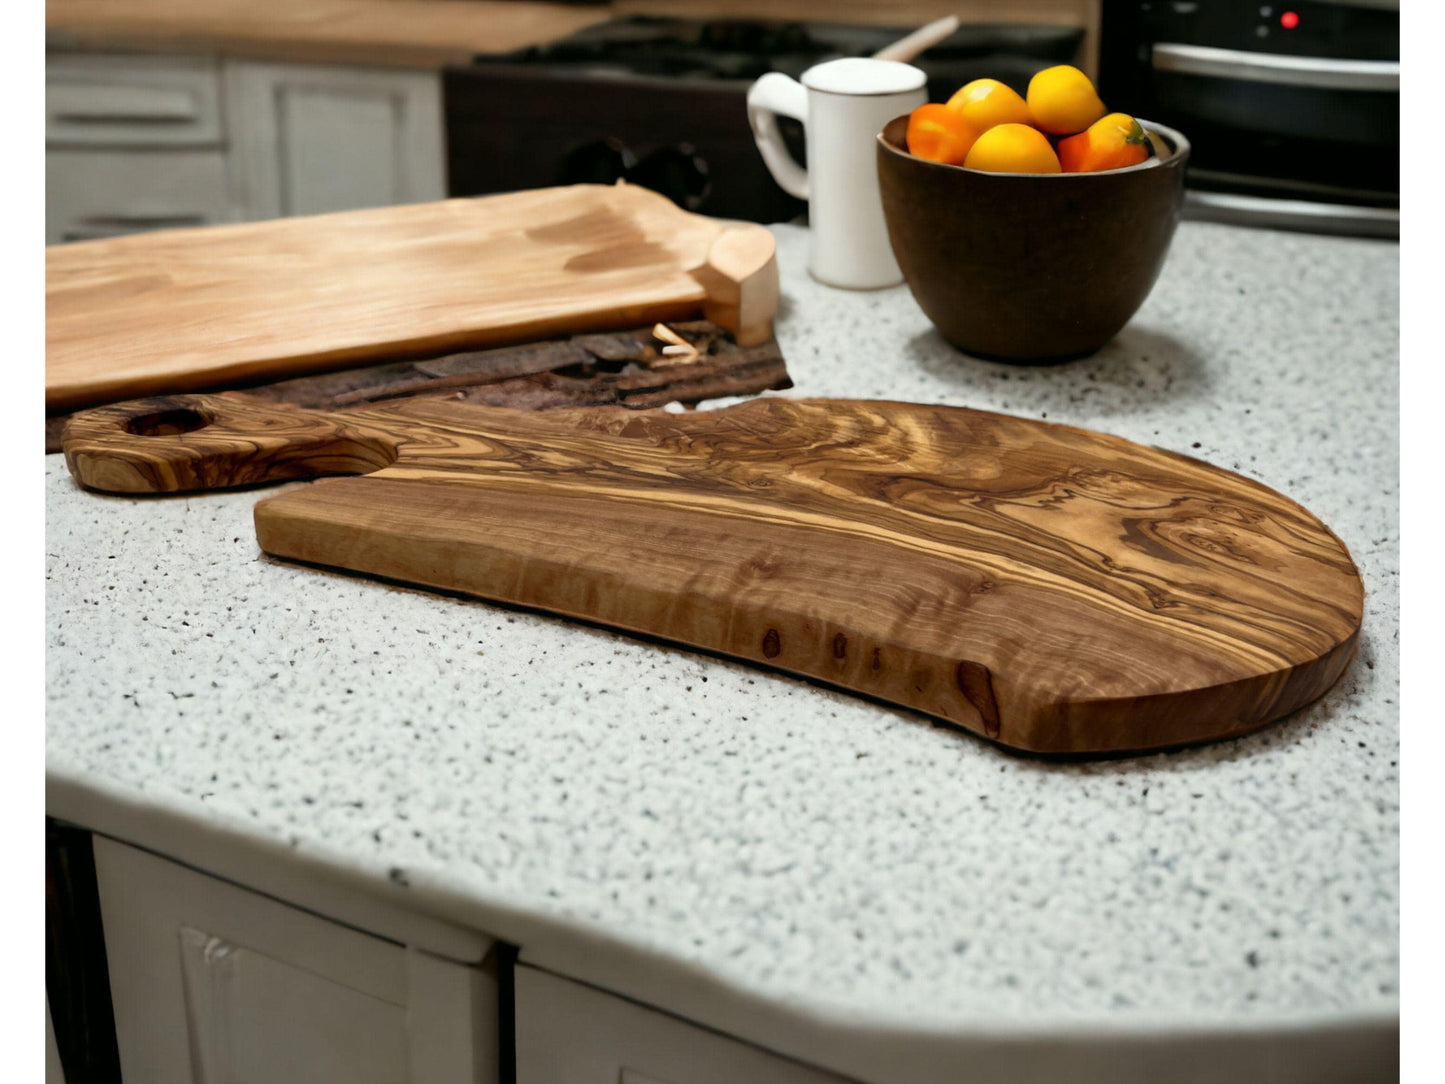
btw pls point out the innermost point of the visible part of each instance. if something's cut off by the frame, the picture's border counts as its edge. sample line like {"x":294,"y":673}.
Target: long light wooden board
{"x":1053,"y":589}
{"x":182,"y":310}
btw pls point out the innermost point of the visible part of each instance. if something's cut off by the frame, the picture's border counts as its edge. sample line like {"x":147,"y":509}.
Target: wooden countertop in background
{"x":386,"y":33}
{"x":434,"y":33}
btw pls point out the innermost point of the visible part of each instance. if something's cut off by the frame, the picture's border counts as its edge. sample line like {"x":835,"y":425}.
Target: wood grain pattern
{"x":1054,"y":589}
{"x":180,"y":310}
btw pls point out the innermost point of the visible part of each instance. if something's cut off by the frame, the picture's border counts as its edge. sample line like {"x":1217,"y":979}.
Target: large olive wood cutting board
{"x":183,"y":310}
{"x":1054,"y":589}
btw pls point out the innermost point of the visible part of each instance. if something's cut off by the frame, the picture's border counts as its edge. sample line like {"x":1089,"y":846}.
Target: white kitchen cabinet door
{"x":567,"y":1031}
{"x":214,"y":984}
{"x":310,"y":139}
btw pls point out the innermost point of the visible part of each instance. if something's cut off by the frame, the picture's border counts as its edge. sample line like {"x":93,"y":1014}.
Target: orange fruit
{"x":1013,"y":148}
{"x":1112,"y":142}
{"x":1062,"y":100}
{"x":986,"y":103}
{"x":939,"y":134}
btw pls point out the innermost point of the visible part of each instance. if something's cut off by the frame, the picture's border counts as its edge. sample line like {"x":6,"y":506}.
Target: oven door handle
{"x":1295,"y":71}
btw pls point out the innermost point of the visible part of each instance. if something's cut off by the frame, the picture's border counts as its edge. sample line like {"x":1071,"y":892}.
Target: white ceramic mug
{"x":843,"y":105}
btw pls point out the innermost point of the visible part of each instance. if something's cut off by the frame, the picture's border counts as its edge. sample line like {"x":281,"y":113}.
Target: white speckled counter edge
{"x":1312,"y":1048}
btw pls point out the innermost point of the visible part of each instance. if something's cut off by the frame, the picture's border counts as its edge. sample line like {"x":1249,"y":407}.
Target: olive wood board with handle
{"x":1053,"y":589}
{"x":188,"y":309}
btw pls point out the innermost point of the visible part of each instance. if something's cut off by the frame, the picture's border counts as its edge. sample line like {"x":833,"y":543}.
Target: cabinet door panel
{"x":254,"y":1018}
{"x":343,"y":150}
{"x":567,"y":1031}
{"x":214,"y":984}
{"x":309,"y":139}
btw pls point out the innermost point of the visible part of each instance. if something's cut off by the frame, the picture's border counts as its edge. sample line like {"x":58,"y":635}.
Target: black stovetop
{"x":725,"y":49}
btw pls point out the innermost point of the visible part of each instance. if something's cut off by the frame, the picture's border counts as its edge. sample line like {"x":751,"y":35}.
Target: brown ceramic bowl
{"x":1029,"y":267}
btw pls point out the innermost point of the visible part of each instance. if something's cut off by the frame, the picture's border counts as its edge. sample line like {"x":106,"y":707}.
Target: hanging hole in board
{"x":167,"y":423}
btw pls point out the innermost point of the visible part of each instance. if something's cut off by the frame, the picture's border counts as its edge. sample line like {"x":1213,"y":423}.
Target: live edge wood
{"x":183,"y":310}
{"x":1053,"y":589}
{"x":604,"y":368}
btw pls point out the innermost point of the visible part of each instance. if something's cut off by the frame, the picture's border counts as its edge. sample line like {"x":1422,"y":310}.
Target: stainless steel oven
{"x":1293,"y":108}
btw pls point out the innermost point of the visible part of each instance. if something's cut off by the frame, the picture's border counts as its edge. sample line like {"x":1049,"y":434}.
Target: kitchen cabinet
{"x":91,"y":194}
{"x":137,"y":142}
{"x":132,"y":101}
{"x":307,"y":139}
{"x":212,"y":982}
{"x":570,"y":1031}
{"x":215,"y":982}
{"x":133,"y":144}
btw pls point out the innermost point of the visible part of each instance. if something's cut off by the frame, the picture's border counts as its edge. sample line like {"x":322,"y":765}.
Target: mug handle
{"x":776,"y":93}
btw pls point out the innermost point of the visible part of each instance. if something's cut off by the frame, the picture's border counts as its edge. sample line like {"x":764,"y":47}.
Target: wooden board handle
{"x":177,"y":443}
{"x":740,"y":276}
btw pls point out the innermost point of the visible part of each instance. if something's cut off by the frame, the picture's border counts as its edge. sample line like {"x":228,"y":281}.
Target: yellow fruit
{"x":1012,"y":148}
{"x":987,"y":103}
{"x":1062,"y":100}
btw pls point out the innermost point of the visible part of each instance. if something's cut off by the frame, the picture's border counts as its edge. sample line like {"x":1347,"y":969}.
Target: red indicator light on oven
{"x":1289,"y":20}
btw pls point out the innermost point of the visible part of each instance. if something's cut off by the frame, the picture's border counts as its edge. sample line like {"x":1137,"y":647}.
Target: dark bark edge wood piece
{"x":1053,"y":589}
{"x":621,"y":368}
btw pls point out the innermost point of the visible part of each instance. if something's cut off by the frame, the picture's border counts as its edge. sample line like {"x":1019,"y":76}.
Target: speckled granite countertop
{"x":792,"y":845}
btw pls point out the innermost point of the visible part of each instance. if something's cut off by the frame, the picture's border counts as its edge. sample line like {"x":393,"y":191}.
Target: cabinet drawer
{"x":214,"y":984}
{"x":99,"y":100}
{"x":92,"y":193}
{"x":577,"y":1033}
